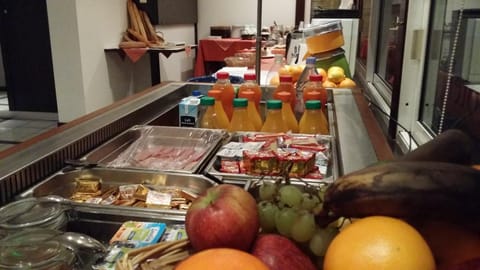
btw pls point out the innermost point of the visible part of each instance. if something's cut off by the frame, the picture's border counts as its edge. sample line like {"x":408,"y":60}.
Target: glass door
{"x":447,"y":91}
{"x":388,"y":62}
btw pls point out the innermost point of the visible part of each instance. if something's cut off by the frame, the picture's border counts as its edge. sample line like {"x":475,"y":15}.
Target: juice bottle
{"x":313,"y":120}
{"x":315,"y":95}
{"x":252,"y":110}
{"x":228,"y":93}
{"x":250,"y":84}
{"x":221,"y":118}
{"x":274,"y":119}
{"x":240,"y":121}
{"x":286,"y":85}
{"x":315,"y":84}
{"x":207,"y":119}
{"x":287,"y":113}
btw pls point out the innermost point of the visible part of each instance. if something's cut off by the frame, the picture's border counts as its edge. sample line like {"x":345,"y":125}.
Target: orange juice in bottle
{"x":315,"y":84}
{"x":207,"y":120}
{"x":228,"y":93}
{"x":274,"y":119}
{"x":287,"y":113}
{"x":313,"y":119}
{"x":250,"y":84}
{"x":252,"y":110}
{"x":221,"y":119}
{"x":240,"y":121}
{"x":286,"y":85}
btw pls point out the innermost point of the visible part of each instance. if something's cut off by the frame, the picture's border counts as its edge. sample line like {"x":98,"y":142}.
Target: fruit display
{"x":293,"y":70}
{"x":289,"y":209}
{"x":336,"y":78}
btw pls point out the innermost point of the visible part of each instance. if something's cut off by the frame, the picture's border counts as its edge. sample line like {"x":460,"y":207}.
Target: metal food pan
{"x":63,"y":185}
{"x":102,"y":225}
{"x":125,"y":150}
{"x":332,"y":169}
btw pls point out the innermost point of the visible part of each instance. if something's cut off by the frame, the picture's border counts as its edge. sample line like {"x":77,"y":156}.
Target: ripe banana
{"x":407,"y":190}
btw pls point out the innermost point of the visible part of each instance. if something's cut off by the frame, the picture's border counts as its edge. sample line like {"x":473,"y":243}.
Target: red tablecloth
{"x":217,"y":49}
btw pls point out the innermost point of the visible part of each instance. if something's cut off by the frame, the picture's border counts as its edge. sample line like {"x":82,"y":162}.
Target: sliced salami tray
{"x":236,"y":160}
{"x":159,"y":148}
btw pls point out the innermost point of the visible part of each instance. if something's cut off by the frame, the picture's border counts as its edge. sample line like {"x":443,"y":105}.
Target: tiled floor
{"x":16,"y":127}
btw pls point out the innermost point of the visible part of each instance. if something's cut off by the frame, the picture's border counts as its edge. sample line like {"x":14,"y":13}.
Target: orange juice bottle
{"x":287,"y":113}
{"x":228,"y":93}
{"x":286,"y":85}
{"x":250,"y":84}
{"x":315,"y":95}
{"x":207,"y":120}
{"x":274,"y":119}
{"x":221,"y":119}
{"x":240,"y":121}
{"x":252,"y":110}
{"x":313,"y":119}
{"x":315,"y":84}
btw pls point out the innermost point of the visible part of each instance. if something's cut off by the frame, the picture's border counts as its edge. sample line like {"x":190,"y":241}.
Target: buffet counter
{"x":358,"y":138}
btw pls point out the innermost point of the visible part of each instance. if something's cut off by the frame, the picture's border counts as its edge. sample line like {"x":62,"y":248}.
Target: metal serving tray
{"x":331,"y":174}
{"x":139,"y":139}
{"x":102,"y":225}
{"x":63,"y":185}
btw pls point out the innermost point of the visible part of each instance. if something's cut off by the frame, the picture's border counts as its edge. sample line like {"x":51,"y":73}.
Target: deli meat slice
{"x":168,"y":157}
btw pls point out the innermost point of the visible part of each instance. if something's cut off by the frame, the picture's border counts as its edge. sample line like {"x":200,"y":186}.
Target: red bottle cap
{"x":315,"y":77}
{"x":286,"y":78}
{"x":250,"y":77}
{"x":222,"y":75}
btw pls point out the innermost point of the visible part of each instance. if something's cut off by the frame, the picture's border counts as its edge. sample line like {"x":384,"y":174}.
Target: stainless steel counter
{"x":355,"y":150}
{"x":34,"y":161}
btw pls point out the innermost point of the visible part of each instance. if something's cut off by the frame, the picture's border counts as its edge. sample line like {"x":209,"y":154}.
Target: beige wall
{"x":87,"y":78}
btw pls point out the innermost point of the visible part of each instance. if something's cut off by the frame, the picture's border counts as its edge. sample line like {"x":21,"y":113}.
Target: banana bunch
{"x":433,"y":181}
{"x":406,"y":189}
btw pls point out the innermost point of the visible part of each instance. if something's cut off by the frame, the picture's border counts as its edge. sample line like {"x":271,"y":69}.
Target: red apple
{"x":223,"y":216}
{"x":280,"y":253}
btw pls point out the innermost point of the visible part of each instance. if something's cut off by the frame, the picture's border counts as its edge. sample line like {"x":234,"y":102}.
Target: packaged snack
{"x":134,"y":234}
{"x":260,"y":162}
{"x":298,"y":163}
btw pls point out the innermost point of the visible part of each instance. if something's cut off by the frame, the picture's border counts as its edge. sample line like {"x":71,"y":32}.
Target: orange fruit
{"x":222,"y":259}
{"x":451,"y":244}
{"x":379,"y":242}
{"x":329,"y":84}
{"x":335,"y":74}
{"x":322,"y":72}
{"x":285,"y":70}
{"x":296,"y":71}
{"x":347,"y":83}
